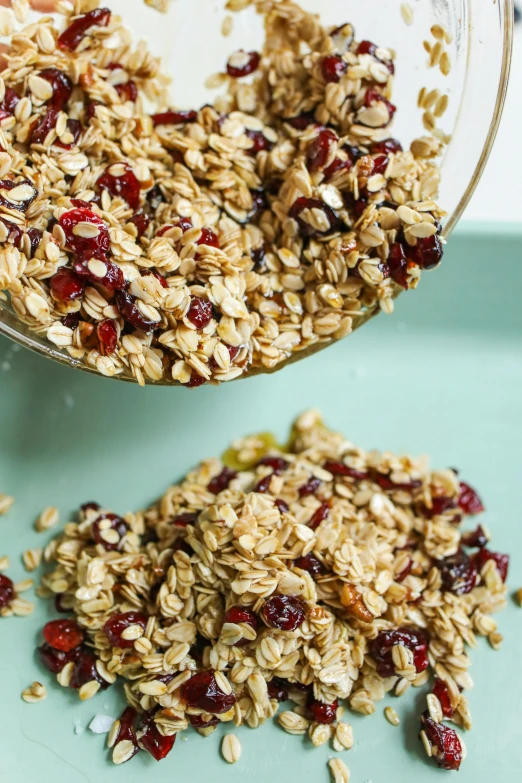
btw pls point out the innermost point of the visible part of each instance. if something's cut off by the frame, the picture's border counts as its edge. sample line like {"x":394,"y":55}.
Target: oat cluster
{"x":322,"y":573}
{"x":194,"y":246}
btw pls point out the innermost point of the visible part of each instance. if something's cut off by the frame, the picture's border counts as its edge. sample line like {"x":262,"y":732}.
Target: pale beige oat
{"x":519,"y":596}
{"x":159,"y":5}
{"x":6,"y":501}
{"x":407,"y":13}
{"x":391,"y":716}
{"x":32,"y":558}
{"x":339,"y":770}
{"x":4,"y":563}
{"x":227,"y":26}
{"x":35,"y":692}
{"x":47,"y":519}
{"x":231,"y":748}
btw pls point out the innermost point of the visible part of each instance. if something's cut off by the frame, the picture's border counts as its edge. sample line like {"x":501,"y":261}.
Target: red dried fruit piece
{"x":309,"y":563}
{"x":374,"y":96}
{"x":302,"y":121}
{"x":439,"y":505}
{"x":333,"y":68}
{"x":141,"y":221}
{"x":259,"y":203}
{"x":208,"y":237}
{"x":75,"y":130}
{"x":319,"y":515}
{"x":458,"y":573}
{"x":115,"y":523}
{"x":22,"y":206}
{"x":278,"y":464}
{"x":200,"y":723}
{"x":112,"y":280}
{"x":151,"y":740}
{"x":117,"y":623}
{"x":238,"y":614}
{"x":59,"y":605}
{"x":263,"y":484}
{"x":440,"y":690}
{"x":366,"y":47}
{"x":125,"y":185}
{"x":379,"y":164}
{"x":55,"y":660}
{"x":195,"y":380}
{"x":43,"y":126}
{"x":71,"y":321}
{"x":286,"y":612}
{"x":260,"y":141}
{"x":72,"y":37}
{"x":321,"y":712}
{"x":475,"y":538}
{"x":445,"y":744}
{"x":277,"y":689}
{"x":306,"y":229}
{"x":61,"y":84}
{"x":91,"y":505}
{"x":310,"y":487}
{"x":386,"y":147}
{"x":126,"y":729}
{"x":7,"y":591}
{"x":401,"y":576}
{"x":200,"y":312}
{"x":398,"y":264}
{"x":427,"y":253}
{"x":340,"y":469}
{"x":320,"y":150}
{"x":66,"y":285}
{"x":243,"y":63}
{"x":469,"y":500}
{"x":501,"y":561}
{"x":283,"y":507}
{"x":63,"y":635}
{"x":203,"y":692}
{"x":188,"y":518}
{"x":85,"y":671}
{"x":221,"y":481}
{"x":336,"y":166}
{"x":9,"y":103}
{"x":131,"y":313}
{"x":96,"y":247}
{"x":155,"y":197}
{"x":381,"y":649}
{"x":174,"y":117}
{"x":128,"y":91}
{"x":386,"y":483}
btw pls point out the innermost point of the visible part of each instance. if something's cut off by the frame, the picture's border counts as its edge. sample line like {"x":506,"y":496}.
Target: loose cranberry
{"x":286,"y":612}
{"x":366,"y":47}
{"x":185,"y":224}
{"x":203,"y":692}
{"x":302,"y":121}
{"x":283,"y":507}
{"x":66,"y":285}
{"x":398,"y":264}
{"x":59,"y":605}
{"x":319,"y":515}
{"x":44,"y":125}
{"x":260,"y":141}
{"x":333,"y":68}
{"x":62,"y":86}
{"x":309,"y":563}
{"x":208,"y":237}
{"x":74,"y":129}
{"x":475,"y":538}
{"x":458,"y":573}
{"x":440,"y":690}
{"x":35,"y":237}
{"x":91,"y":110}
{"x":71,"y":320}
{"x":386,"y":483}
{"x":116,"y":523}
{"x":125,"y":185}
{"x":85,"y":671}
{"x":79,"y":202}
{"x":63,"y":635}
{"x":21,"y":206}
{"x":305,"y":228}
{"x":259,"y":203}
{"x":151,"y":740}
{"x":200,"y":312}
{"x":310,"y":487}
{"x":72,"y":37}
{"x":195,"y":380}
{"x":386,"y":147}
{"x":118,"y":622}
{"x":188,"y":518}
{"x":321,"y":712}
{"x":439,"y":505}
{"x":221,"y":481}
{"x":177,"y":156}
{"x":141,"y":221}
{"x":238,"y":614}
{"x":174,"y":117}
{"x":10,"y":102}
{"x":340,"y":469}
{"x":374,"y":96}
{"x":55,"y":660}
{"x":427,"y":253}
{"x":336,"y":166}
{"x":113,"y":278}
{"x":132,"y":314}
{"x":126,"y":729}
{"x":200,"y":723}
{"x":277,"y":689}
{"x":7,"y":591}
{"x":381,"y":649}
{"x":445,"y":745}
{"x":155,"y":197}
{"x":96,"y":247}
{"x":243,"y":64}
{"x":469,"y":500}
{"x":128,"y":91}
{"x":320,"y":149}
{"x":501,"y":561}
{"x":278,"y":464}
{"x":263,"y":484}
{"x":379,"y":164}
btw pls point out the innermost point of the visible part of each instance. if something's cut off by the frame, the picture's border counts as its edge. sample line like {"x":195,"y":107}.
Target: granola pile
{"x":320,"y":573}
{"x":192,"y":246}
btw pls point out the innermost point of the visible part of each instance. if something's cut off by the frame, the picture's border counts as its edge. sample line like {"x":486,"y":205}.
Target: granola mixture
{"x":320,"y":573}
{"x":193,"y":246}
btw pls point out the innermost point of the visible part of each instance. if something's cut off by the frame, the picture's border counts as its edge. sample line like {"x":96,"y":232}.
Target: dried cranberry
{"x":475,"y":538}
{"x":221,"y":481}
{"x":117,"y":623}
{"x":35,"y":237}
{"x":188,"y":518}
{"x":336,"y":166}
{"x":398,"y":264}
{"x":278,"y":464}
{"x":115,"y":523}
{"x":340,"y":469}
{"x":203,"y":692}
{"x":319,"y":515}
{"x":62,"y":86}
{"x":74,"y":129}
{"x":208,"y":237}
{"x":302,"y":121}
{"x":440,"y":690}
{"x":381,"y":649}
{"x":132,"y":314}
{"x":95,"y":247}
{"x":21,"y":206}
{"x":374,"y":96}
{"x":10,"y":102}
{"x":200,"y":312}
{"x":71,"y":320}
{"x":200,"y":723}
{"x":439,"y":505}
{"x":386,"y":483}
{"x":127,"y":721}
{"x":458,"y":573}
{"x":245,"y":64}
{"x":7,"y":591}
{"x":282,"y":506}
{"x":174,"y":117}
{"x":141,"y":221}
{"x":277,"y":689}
{"x":286,"y":612}
{"x":366,"y":47}
{"x":401,"y":576}
{"x":66,"y":285}
{"x":72,"y":37}
{"x":128,"y":91}
{"x":469,"y":500}
{"x":155,"y":197}
{"x":320,"y":149}
{"x":333,"y":68}
{"x":501,"y":561}
{"x":260,"y":141}
{"x":43,"y":126}
{"x":309,"y":563}
{"x":321,"y":712}
{"x":85,"y":671}
{"x":306,"y":229}
{"x":55,"y":660}
{"x":91,"y":110}
{"x":238,"y":614}
{"x":151,"y":740}
{"x":63,"y":635}
{"x":386,"y":147}
{"x":59,"y":605}
{"x":310,"y":487}
{"x":427,"y":253}
{"x":259,"y":203}
{"x":195,"y":380}
{"x":91,"y":505}
{"x":125,"y":185}
{"x":379,"y":164}
{"x":445,"y":745}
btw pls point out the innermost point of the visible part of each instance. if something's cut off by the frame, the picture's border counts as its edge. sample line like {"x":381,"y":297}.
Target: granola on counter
{"x":197,"y":246}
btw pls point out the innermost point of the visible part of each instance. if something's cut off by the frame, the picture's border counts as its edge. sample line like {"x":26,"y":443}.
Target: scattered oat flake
{"x":32,"y":558}
{"x":6,"y":501}
{"x":227,"y":26}
{"x":407,"y":13}
{"x":339,"y":770}
{"x":47,"y":519}
{"x":231,"y":748}
{"x":519,"y":596}
{"x":35,"y":692}
{"x":4,"y":562}
{"x":392,"y":716}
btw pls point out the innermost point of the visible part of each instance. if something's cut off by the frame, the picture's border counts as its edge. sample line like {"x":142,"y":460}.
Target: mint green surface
{"x":442,"y":376}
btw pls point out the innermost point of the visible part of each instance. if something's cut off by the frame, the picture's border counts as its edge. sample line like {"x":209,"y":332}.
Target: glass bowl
{"x":479,"y":46}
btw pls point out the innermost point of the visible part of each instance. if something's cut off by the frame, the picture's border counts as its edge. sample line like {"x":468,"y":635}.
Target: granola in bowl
{"x":191,"y":246}
{"x":321,"y":574}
